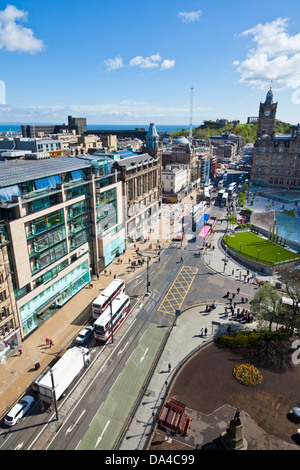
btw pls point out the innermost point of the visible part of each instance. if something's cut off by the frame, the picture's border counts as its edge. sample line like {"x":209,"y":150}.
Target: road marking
{"x":178,"y":290}
{"x":143,"y":356}
{"x":19,"y":446}
{"x":100,"y":437}
{"x":122,"y":350}
{"x":73,"y":425}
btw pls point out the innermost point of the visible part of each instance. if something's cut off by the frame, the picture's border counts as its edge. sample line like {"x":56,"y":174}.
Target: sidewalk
{"x":184,"y":340}
{"x":214,"y":259}
{"x":18,"y":372}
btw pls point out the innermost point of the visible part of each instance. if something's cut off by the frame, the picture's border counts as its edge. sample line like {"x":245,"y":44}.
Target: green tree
{"x":266,"y":305}
{"x":241,"y":199}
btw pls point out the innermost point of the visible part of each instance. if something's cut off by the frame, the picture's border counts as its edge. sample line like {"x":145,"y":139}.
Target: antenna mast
{"x":191,"y":116}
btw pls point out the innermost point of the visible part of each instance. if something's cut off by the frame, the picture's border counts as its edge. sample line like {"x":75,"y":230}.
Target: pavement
{"x":18,"y":372}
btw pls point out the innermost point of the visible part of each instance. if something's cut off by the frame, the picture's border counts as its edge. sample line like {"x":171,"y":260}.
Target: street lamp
{"x":277,"y":257}
{"x":258,"y":251}
{"x":111,"y":324}
{"x":148,"y":270}
{"x":240,"y":247}
{"x":54,"y":394}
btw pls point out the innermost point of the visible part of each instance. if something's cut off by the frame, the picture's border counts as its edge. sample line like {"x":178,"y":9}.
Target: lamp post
{"x":258,"y":251}
{"x":54,"y":394}
{"x":240,"y":247}
{"x":148,"y":269}
{"x":277,"y":257}
{"x":111,"y":324}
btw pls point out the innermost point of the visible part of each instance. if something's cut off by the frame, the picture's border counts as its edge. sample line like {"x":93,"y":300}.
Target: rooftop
{"x":20,"y":171}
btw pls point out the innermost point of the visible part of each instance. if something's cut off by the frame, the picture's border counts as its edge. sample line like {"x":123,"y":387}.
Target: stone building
{"x":142,"y":186}
{"x":276,"y":157}
{"x":9,"y":323}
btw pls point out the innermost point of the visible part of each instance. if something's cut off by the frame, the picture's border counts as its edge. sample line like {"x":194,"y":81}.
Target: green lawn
{"x":251,"y":243}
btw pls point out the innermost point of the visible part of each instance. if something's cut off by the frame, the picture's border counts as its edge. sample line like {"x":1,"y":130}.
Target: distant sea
{"x":159,"y":128}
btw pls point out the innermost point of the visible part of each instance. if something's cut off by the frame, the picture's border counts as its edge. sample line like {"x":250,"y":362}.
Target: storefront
{"x":54,"y":296}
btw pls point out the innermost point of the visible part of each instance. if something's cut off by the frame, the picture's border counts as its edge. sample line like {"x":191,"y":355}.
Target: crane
{"x":191,"y":116}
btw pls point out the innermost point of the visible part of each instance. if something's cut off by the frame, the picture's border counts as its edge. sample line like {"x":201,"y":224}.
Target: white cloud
{"x":167,"y":64}
{"x":13,"y":36}
{"x":154,"y":61}
{"x":113,"y":64}
{"x":146,"y":62}
{"x":275,"y":57}
{"x":190,"y":16}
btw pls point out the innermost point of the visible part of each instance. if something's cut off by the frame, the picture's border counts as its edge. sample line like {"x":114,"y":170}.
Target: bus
{"x":115,"y":316}
{"x":207,"y":194}
{"x":116,"y":287}
{"x":220,"y":195}
{"x":224,"y":199}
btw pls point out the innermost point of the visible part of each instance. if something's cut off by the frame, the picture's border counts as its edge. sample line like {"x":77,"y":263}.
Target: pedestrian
{"x":110,"y":272}
{"x":105,"y":272}
{"x":169,"y":366}
{"x":129,"y":261}
{"x":205,"y":331}
{"x":201,"y":334}
{"x":20,"y":352}
{"x":47,"y":341}
{"x":50,"y":343}
{"x":238,"y":290}
{"x":232,"y":272}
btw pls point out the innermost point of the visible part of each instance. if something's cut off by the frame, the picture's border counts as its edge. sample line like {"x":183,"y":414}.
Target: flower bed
{"x":247,"y":374}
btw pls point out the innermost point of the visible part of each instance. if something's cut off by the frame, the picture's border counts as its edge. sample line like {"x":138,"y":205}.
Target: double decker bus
{"x":111,"y":318}
{"x":100,"y":304}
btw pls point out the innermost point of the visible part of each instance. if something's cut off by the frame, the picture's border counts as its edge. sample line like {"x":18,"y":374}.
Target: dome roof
{"x":180,"y":141}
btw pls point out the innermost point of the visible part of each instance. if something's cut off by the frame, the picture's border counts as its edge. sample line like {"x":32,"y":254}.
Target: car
{"x":84,"y":334}
{"x":19,"y":410}
{"x":179,"y":237}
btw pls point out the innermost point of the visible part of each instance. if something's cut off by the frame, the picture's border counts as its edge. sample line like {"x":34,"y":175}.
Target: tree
{"x":231,"y":219}
{"x":245,"y":187}
{"x":241,"y":199}
{"x":290,"y":279}
{"x":266,"y":305}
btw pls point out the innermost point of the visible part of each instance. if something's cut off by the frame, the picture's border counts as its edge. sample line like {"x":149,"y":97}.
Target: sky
{"x":130,"y":62}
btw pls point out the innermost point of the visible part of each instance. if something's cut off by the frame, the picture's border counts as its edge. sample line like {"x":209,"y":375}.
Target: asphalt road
{"x":125,"y":364}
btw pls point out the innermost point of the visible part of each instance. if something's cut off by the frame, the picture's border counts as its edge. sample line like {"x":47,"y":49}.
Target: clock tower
{"x":266,"y":117}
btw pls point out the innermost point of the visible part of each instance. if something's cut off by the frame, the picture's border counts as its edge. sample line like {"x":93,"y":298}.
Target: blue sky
{"x":135,"y":62}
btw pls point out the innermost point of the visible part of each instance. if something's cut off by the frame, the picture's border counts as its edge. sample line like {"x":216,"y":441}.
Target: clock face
{"x":267,"y":113}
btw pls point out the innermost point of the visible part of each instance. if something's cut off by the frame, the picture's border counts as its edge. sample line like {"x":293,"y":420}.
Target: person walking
{"x":170,"y":367}
{"x":205,"y":331}
{"x":50,"y":343}
{"x":20,"y":352}
{"x":47,"y":341}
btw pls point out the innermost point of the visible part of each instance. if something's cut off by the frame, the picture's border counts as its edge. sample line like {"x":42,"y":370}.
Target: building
{"x":142,"y":187}
{"x":9,"y":323}
{"x":276,"y":157}
{"x":63,"y":218}
{"x":52,"y":147}
{"x":77,"y":125}
{"x":175,"y":180}
{"x":181,"y":151}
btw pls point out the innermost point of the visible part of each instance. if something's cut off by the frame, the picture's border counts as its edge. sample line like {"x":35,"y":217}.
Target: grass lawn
{"x":251,"y":243}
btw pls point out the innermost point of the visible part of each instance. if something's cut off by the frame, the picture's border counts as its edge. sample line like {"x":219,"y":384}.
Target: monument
{"x":233,"y":438}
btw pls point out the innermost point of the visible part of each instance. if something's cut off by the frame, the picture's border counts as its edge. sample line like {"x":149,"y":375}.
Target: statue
{"x":236,"y":419}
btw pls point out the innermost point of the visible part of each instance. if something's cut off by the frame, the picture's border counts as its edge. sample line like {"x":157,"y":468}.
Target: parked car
{"x":19,"y":410}
{"x":84,"y":334}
